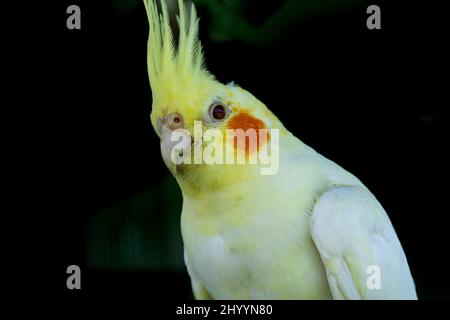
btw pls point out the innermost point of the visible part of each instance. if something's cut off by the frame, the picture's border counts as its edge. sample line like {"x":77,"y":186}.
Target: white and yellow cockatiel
{"x":310,"y":231}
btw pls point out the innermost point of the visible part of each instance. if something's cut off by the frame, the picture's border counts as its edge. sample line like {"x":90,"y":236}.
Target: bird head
{"x":185,"y":94}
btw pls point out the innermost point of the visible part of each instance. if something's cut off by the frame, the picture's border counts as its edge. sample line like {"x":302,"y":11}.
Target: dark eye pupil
{"x":219,"y":112}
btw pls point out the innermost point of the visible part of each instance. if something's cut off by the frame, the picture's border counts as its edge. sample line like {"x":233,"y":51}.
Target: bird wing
{"x":362,"y":255}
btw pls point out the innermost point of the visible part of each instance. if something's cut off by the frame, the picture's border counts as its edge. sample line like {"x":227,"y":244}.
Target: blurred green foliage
{"x":251,"y":21}
{"x":124,"y":6}
{"x":142,"y":232}
{"x":261,"y":22}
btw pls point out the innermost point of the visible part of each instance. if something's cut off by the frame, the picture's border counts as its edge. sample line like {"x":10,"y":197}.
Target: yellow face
{"x":215,"y":105}
{"x":218,"y":107}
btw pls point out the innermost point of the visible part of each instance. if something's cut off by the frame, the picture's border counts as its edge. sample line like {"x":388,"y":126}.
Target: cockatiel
{"x":312,"y":230}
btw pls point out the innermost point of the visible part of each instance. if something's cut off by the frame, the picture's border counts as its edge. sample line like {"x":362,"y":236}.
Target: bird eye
{"x":218,"y":111}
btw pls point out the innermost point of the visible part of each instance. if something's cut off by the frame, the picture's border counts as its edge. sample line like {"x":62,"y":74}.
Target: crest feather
{"x":173,"y":68}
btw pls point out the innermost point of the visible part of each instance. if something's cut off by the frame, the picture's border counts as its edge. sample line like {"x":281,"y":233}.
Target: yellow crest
{"x":174,"y":69}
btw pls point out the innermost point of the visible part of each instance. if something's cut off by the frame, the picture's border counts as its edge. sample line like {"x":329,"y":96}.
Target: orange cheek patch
{"x":245,"y":122}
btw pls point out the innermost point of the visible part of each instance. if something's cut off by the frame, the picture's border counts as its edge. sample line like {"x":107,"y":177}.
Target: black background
{"x":372,"y":101}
